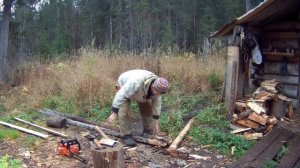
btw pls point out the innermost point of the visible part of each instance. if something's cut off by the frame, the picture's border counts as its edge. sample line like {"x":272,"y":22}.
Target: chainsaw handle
{"x":68,"y":143}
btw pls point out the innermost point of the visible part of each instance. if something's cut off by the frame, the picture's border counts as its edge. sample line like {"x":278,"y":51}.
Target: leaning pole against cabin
{"x":231,"y":78}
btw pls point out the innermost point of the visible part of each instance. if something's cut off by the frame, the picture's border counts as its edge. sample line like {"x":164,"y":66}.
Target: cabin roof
{"x":266,"y":12}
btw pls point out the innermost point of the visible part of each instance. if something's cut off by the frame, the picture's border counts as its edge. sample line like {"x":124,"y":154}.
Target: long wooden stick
{"x":45,"y":129}
{"x":25,"y":130}
{"x":173,"y":147}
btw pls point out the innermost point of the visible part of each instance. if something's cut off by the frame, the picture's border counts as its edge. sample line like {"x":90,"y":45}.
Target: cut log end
{"x":106,"y":157}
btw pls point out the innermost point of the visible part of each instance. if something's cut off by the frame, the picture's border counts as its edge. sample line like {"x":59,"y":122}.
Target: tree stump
{"x":107,"y":157}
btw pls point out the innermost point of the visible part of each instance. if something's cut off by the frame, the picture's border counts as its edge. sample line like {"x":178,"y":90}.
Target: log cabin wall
{"x":281,"y":52}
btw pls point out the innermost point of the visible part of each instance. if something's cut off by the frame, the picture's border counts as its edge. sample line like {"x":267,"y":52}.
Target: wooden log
{"x":289,"y":90}
{"x":42,"y":128}
{"x":57,"y":122}
{"x":276,"y":68}
{"x":150,"y":141}
{"x":282,"y":35}
{"x":282,"y":43}
{"x":279,"y":109}
{"x":49,"y":112}
{"x":293,"y":80}
{"x":173,"y":147}
{"x":282,"y":26}
{"x":105,"y":157}
{"x":25,"y":130}
{"x":231,"y":78}
{"x":257,"y":118}
{"x":290,"y":113}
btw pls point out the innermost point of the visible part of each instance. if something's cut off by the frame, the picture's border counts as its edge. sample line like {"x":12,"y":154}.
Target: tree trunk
{"x":105,"y":157}
{"x":4,"y":30}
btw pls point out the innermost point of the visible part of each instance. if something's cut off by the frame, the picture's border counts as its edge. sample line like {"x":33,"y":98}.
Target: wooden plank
{"x":279,"y":58}
{"x":292,"y":156}
{"x":42,"y":128}
{"x":270,"y":44}
{"x":271,"y":150}
{"x":282,"y":26}
{"x":285,"y":79}
{"x":289,"y":90}
{"x":297,"y":165}
{"x":277,"y":68}
{"x":258,"y":148}
{"x":25,"y":130}
{"x":240,"y":130}
{"x":282,"y":35}
{"x":257,"y":108}
{"x":284,"y":54}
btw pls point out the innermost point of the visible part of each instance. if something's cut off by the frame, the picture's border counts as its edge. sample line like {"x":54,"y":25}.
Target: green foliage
{"x":8,"y":162}
{"x":282,"y":152}
{"x":270,"y":164}
{"x":219,"y":140}
{"x":210,"y":129}
{"x":2,"y":108}
{"x":60,"y":103}
{"x":9,"y":133}
{"x":30,"y":141}
{"x":214,"y":81}
{"x":213,"y":116}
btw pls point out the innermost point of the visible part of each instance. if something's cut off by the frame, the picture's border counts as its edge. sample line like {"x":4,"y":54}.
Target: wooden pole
{"x":173,"y":147}
{"x":25,"y":130}
{"x":45,"y":129}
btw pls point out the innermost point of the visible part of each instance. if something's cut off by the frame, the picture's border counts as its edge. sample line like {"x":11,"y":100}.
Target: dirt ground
{"x":44,"y":154}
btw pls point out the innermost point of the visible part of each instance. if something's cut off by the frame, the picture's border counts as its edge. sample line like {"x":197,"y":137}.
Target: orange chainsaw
{"x":70,"y":148}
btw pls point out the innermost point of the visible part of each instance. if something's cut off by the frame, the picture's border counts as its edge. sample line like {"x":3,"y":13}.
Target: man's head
{"x":160,"y":85}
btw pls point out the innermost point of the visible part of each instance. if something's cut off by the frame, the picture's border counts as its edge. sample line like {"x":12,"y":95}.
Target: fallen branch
{"x":172,"y":150}
{"x":25,"y":130}
{"x":45,"y":129}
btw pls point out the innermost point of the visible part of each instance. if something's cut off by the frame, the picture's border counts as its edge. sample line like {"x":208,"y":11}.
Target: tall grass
{"x":87,"y":80}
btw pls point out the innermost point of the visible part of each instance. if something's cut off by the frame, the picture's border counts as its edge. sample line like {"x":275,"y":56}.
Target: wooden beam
{"x":25,"y":130}
{"x":42,"y":128}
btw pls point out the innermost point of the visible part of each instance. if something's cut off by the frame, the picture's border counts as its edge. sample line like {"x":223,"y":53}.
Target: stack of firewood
{"x":257,"y":115}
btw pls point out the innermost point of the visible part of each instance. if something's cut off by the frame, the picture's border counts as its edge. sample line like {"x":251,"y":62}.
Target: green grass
{"x":30,"y":141}
{"x":9,"y":133}
{"x":211,"y":128}
{"x":8,"y":162}
{"x":270,"y":164}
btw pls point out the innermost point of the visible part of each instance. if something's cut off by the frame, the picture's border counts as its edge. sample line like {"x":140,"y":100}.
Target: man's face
{"x":154,"y":91}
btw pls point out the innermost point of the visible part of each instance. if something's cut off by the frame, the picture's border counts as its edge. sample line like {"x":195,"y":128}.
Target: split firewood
{"x":256,"y":107}
{"x":247,"y":123}
{"x":240,"y":130}
{"x":290,"y":113}
{"x":252,"y":136}
{"x":270,"y":127}
{"x":241,"y":106}
{"x":272,"y":121}
{"x":172,"y":150}
{"x":257,"y":118}
{"x":45,"y":136}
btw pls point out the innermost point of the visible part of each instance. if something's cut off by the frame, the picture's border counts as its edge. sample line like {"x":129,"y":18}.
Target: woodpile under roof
{"x":256,"y":115}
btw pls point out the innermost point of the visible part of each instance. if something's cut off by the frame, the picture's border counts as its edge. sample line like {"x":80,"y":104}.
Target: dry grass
{"x":90,"y":77}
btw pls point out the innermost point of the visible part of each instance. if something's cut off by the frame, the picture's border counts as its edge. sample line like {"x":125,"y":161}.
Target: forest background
{"x":47,"y":29}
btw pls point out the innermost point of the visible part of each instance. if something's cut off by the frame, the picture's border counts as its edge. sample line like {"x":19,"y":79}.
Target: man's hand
{"x":112,"y":118}
{"x":157,"y":129}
